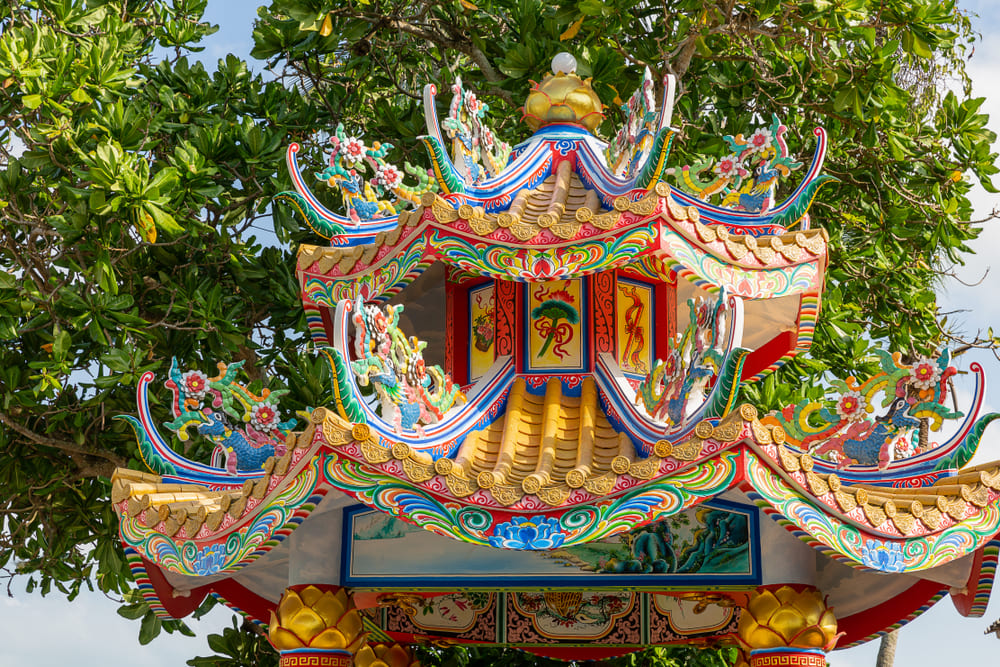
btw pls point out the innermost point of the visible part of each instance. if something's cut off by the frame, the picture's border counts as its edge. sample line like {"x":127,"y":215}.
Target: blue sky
{"x":88,"y":632}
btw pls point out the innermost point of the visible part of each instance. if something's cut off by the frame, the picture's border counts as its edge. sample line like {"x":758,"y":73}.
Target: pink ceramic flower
{"x":388,"y":176}
{"x":352,"y":148}
{"x":728,"y":166}
{"x":925,"y":373}
{"x":851,"y":406}
{"x":760,"y":140}
{"x":264,"y":417}
{"x":194,"y":385}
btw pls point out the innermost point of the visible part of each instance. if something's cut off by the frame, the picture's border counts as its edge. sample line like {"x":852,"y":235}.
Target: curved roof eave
{"x":652,"y":229}
{"x":183,"y":531}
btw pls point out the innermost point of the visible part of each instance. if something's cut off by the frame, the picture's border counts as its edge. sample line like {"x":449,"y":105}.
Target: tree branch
{"x":113,"y":460}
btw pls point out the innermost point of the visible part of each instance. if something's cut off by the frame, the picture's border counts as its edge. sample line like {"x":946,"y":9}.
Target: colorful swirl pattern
{"x":854,"y":546}
{"x":536,"y":264}
{"x":578,"y":525}
{"x":272,"y":522}
{"x":387,"y":280}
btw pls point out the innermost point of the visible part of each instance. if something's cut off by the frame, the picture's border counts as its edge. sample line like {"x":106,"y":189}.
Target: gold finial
{"x":563,"y":97}
{"x":386,"y":655}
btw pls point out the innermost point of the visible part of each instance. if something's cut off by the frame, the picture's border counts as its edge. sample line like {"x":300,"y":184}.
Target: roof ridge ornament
{"x":563,"y":97}
{"x":631,"y":147}
{"x":473,"y":171}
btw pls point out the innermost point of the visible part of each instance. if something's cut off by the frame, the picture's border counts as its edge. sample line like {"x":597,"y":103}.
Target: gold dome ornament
{"x":788,"y":618}
{"x":563,"y":97}
{"x":318,"y":618}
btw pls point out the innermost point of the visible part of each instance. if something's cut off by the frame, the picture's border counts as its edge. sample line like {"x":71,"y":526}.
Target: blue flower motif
{"x":528,"y":533}
{"x":883,"y":556}
{"x":210,"y":560}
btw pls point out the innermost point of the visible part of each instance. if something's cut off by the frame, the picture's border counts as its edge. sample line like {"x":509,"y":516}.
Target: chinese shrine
{"x":538,"y":439}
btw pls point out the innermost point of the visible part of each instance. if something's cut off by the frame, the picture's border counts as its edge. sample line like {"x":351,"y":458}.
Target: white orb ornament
{"x":564,"y":63}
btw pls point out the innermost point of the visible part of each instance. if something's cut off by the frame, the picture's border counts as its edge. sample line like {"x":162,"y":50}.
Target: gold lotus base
{"x":787,"y":617}
{"x":386,"y":655}
{"x":316,"y":617}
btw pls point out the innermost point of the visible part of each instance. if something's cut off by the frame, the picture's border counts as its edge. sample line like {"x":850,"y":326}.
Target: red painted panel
{"x":604,"y":312}
{"x":866,"y":623}
{"x":179,"y":606}
{"x":506,"y":307}
{"x":768,"y":353}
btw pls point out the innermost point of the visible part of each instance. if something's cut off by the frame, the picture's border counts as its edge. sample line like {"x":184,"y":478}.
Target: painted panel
{"x":715,"y":543}
{"x":556,"y":326}
{"x":506,"y":300}
{"x":674,"y":619}
{"x":482,"y":329}
{"x":573,"y":616}
{"x":471,"y":614}
{"x":634,"y":318}
{"x":559,"y":617}
{"x":604,"y":312}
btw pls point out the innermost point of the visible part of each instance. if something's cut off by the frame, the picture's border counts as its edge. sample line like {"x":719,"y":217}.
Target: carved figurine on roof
{"x":537,"y":438}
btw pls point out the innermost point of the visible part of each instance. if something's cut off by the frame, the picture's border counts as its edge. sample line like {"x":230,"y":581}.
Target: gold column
{"x":791,"y":626}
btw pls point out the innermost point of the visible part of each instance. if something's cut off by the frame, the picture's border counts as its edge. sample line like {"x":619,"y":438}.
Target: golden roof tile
{"x":168,"y":507}
{"x":912,"y":511}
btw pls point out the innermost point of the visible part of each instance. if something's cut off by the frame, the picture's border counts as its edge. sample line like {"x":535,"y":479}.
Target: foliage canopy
{"x":133,"y":182}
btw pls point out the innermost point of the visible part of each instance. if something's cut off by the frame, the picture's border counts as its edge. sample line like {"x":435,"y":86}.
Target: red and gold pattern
{"x":789,"y":659}
{"x":315,"y":659}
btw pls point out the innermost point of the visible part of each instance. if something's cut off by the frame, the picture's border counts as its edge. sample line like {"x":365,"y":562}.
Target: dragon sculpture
{"x":844,"y":431}
{"x":679,"y":382}
{"x":381,"y":195}
{"x":476,"y":152}
{"x":634,"y":140}
{"x":411,"y":393}
{"x":747,"y":178}
{"x":245,"y":427}
{"x":369,"y":199}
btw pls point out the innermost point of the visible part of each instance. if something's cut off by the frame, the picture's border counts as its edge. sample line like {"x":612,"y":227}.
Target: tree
{"x":133,"y":183}
{"x":131,"y":187}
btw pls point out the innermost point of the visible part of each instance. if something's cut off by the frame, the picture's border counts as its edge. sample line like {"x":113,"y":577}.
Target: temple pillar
{"x":790,"y":626}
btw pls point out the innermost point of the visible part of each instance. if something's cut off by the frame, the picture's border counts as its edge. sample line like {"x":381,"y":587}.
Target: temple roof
{"x":542,"y":440}
{"x":196,"y":508}
{"x":775,"y":251}
{"x":899,"y":511}
{"x":501,"y":457}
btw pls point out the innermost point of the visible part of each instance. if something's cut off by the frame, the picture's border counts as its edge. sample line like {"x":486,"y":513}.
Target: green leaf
{"x":162,"y":219}
{"x":133,"y":611}
{"x":149,"y":628}
{"x":61,"y":344}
